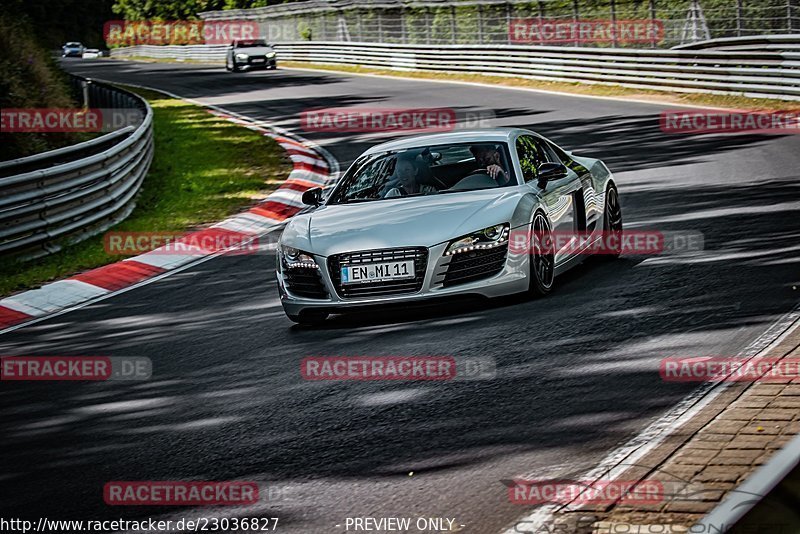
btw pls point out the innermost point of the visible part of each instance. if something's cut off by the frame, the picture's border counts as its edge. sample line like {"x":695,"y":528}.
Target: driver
{"x":404,"y":179}
{"x":488,"y":157}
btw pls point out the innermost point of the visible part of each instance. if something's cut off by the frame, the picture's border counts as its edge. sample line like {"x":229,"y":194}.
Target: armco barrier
{"x":753,"y":490}
{"x":210,"y":53}
{"x":756,"y":73}
{"x":781,"y":43}
{"x":66,"y":195}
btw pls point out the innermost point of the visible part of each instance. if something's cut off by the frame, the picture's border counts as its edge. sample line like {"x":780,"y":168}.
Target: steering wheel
{"x":482,"y":173}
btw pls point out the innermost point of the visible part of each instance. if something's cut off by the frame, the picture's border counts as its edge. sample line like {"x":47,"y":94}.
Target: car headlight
{"x":491,"y":237}
{"x":242,"y":56}
{"x":271,"y":54}
{"x":295,"y":258}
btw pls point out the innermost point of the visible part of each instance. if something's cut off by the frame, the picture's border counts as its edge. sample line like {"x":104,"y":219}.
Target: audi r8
{"x":443,"y":215}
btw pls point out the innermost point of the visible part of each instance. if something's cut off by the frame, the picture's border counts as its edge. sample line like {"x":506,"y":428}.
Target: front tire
{"x":541,"y":256}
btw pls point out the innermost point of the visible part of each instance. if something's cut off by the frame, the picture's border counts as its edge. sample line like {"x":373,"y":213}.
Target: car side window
{"x":567,"y":160}
{"x":531,"y":156}
{"x":552,"y":155}
{"x":560,"y":154}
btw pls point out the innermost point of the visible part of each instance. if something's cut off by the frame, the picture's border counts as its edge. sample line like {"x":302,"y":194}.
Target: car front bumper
{"x":256,"y":63}
{"x":512,"y":278}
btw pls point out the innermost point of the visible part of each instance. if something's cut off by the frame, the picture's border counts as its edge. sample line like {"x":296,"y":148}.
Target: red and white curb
{"x":312,"y":167}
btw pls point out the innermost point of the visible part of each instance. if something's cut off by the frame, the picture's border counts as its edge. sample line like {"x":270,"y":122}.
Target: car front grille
{"x":390,"y":287}
{"x":474,"y":265}
{"x":304,"y":282}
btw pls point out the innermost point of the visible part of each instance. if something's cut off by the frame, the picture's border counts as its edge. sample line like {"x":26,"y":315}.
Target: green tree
{"x":164,"y":9}
{"x":54,"y":23}
{"x":181,"y":9}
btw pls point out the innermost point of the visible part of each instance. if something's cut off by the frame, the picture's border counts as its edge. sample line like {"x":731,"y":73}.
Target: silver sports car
{"x":443,"y":215}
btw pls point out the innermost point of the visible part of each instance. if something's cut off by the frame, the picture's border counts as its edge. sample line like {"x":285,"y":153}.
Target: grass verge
{"x":617,"y":91}
{"x":204,"y":169}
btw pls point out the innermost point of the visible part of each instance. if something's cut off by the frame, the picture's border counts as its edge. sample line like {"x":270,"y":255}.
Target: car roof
{"x":479,"y":135}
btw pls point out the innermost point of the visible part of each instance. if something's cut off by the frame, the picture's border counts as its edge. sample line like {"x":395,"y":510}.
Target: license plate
{"x":258,"y":60}
{"x":377,"y":272}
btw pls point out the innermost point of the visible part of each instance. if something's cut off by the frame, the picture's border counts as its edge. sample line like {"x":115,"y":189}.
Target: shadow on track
{"x":577,"y":370}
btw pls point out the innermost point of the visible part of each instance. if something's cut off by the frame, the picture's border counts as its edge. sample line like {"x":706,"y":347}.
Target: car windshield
{"x":73,"y":45}
{"x":251,"y":43}
{"x":428,"y":170}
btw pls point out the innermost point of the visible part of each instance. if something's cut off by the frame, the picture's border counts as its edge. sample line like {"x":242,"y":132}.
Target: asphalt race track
{"x":577,"y":371}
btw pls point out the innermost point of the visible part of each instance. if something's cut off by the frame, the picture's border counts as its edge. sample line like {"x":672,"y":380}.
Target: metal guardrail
{"x":211,"y":53}
{"x":741,"y":500}
{"x":782,"y":43}
{"x":66,"y":195}
{"x":756,"y":73}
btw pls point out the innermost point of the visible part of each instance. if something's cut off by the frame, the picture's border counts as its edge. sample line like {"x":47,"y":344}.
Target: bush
{"x":29,"y":78}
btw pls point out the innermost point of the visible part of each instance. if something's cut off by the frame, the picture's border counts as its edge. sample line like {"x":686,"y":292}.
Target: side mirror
{"x":312,"y":197}
{"x":551,"y":171}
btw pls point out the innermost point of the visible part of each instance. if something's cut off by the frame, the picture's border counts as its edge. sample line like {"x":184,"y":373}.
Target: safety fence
{"x":493,"y":22}
{"x":63,"y":196}
{"x":756,"y":73}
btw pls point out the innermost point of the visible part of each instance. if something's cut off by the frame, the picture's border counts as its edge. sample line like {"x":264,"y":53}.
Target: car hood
{"x":254,"y":50}
{"x":403,"y":222}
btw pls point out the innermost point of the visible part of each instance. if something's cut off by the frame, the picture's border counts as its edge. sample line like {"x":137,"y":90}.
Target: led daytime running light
{"x":502,"y":240}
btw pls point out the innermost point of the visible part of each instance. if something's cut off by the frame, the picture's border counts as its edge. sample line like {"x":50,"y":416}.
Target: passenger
{"x":404,"y":179}
{"x":488,"y":158}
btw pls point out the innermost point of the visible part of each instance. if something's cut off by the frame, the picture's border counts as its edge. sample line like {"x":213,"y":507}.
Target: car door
{"x":586,"y":204}
{"x":558,"y":195}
